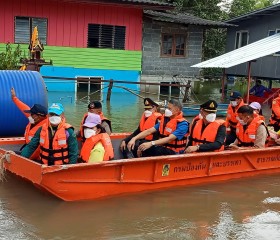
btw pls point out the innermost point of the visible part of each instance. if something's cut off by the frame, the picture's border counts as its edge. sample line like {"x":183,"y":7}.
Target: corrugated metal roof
{"x":184,"y":18}
{"x":255,"y":50}
{"x":255,"y":14}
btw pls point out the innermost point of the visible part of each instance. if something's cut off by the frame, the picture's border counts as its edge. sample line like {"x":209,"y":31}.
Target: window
{"x":272,"y":32}
{"x":241,"y":39}
{"x":106,"y":36}
{"x":173,"y":45}
{"x":24,"y":27}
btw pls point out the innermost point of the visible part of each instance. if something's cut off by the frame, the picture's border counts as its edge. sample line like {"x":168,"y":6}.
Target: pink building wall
{"x":68,"y":22}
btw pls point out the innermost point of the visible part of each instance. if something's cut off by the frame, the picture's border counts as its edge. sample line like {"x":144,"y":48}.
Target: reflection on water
{"x":124,"y":109}
{"x":228,"y":210}
{"x":240,"y":209}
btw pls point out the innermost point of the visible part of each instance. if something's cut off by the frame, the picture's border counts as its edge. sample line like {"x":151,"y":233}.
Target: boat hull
{"x":193,"y":110}
{"x":92,"y":181}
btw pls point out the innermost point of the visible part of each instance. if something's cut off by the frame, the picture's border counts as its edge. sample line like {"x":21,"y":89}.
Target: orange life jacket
{"x":29,"y":134}
{"x":247,"y":138}
{"x":146,"y":123}
{"x":167,"y":128}
{"x":208,"y":135}
{"x":231,"y":120}
{"x":103,"y":119}
{"x":275,"y":112}
{"x":56,"y":154}
{"x":90,"y":143}
{"x":261,"y":117}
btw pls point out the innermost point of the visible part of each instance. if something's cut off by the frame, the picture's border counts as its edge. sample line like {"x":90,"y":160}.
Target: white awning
{"x":255,"y":50}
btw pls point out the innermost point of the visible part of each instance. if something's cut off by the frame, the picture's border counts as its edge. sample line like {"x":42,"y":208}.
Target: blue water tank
{"x":30,"y":89}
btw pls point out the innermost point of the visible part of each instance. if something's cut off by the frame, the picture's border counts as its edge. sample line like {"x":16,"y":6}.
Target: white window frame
{"x":240,"y":38}
{"x":277,"y":30}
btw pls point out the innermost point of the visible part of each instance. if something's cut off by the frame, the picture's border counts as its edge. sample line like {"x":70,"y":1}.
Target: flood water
{"x":241,"y":209}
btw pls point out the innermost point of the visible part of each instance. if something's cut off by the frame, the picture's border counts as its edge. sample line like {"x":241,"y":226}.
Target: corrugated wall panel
{"x":68,"y":22}
{"x":90,"y":57}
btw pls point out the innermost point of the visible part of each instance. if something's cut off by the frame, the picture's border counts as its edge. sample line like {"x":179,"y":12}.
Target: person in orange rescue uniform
{"x":208,"y":133}
{"x":97,"y":146}
{"x":236,"y":102}
{"x":95,"y":107}
{"x":275,"y":114}
{"x":150,"y":118}
{"x":250,"y":131}
{"x":173,"y":131}
{"x":37,"y":116}
{"x":56,"y":139}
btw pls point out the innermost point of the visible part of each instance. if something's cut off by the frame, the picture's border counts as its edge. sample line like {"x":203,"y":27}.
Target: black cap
{"x":149,"y":103}
{"x":234,"y":95}
{"x":209,"y":106}
{"x":95,"y":105}
{"x":37,"y":109}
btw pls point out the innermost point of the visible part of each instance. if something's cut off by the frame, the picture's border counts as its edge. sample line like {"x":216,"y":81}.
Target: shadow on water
{"x":239,"y":209}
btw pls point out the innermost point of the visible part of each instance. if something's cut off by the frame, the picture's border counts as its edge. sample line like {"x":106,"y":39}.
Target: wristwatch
{"x":153,"y":143}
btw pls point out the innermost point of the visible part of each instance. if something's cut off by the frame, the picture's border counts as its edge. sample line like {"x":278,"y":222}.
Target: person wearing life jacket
{"x":208,"y":133}
{"x":173,"y":131}
{"x":149,"y":118}
{"x":275,"y":114}
{"x":236,"y":102}
{"x":257,"y":110}
{"x":96,"y":107}
{"x":98,"y":146}
{"x":250,"y":131}
{"x":56,"y":139}
{"x":37,"y":116}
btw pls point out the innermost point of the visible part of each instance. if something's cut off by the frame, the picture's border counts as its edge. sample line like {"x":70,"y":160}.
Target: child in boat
{"x":97,"y":146}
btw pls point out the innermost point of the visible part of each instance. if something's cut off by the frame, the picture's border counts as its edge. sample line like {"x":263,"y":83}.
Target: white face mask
{"x":211,"y":117}
{"x":168,"y":113}
{"x":242,"y":122}
{"x":55,"y":120}
{"x":147,"y":113}
{"x":88,"y":132}
{"x":31,"y":120}
{"x":233,"y":103}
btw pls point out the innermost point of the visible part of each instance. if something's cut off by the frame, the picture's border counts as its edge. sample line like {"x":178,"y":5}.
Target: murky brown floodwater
{"x":243,"y":209}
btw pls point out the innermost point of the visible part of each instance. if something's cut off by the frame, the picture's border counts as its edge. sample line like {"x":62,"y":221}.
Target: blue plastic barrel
{"x":30,"y":89}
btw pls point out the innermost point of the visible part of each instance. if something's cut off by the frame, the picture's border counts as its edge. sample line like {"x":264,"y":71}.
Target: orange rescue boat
{"x":98,"y":180}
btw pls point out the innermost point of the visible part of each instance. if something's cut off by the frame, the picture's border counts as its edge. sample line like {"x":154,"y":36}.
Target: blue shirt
{"x":259,"y":90}
{"x":181,"y":130}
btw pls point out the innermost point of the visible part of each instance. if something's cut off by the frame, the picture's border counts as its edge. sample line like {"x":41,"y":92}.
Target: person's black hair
{"x":99,"y":126}
{"x":259,"y":81}
{"x":246,"y":109}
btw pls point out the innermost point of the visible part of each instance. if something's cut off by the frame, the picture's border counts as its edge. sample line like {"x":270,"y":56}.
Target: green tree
{"x":9,"y":60}
{"x":240,"y":7}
